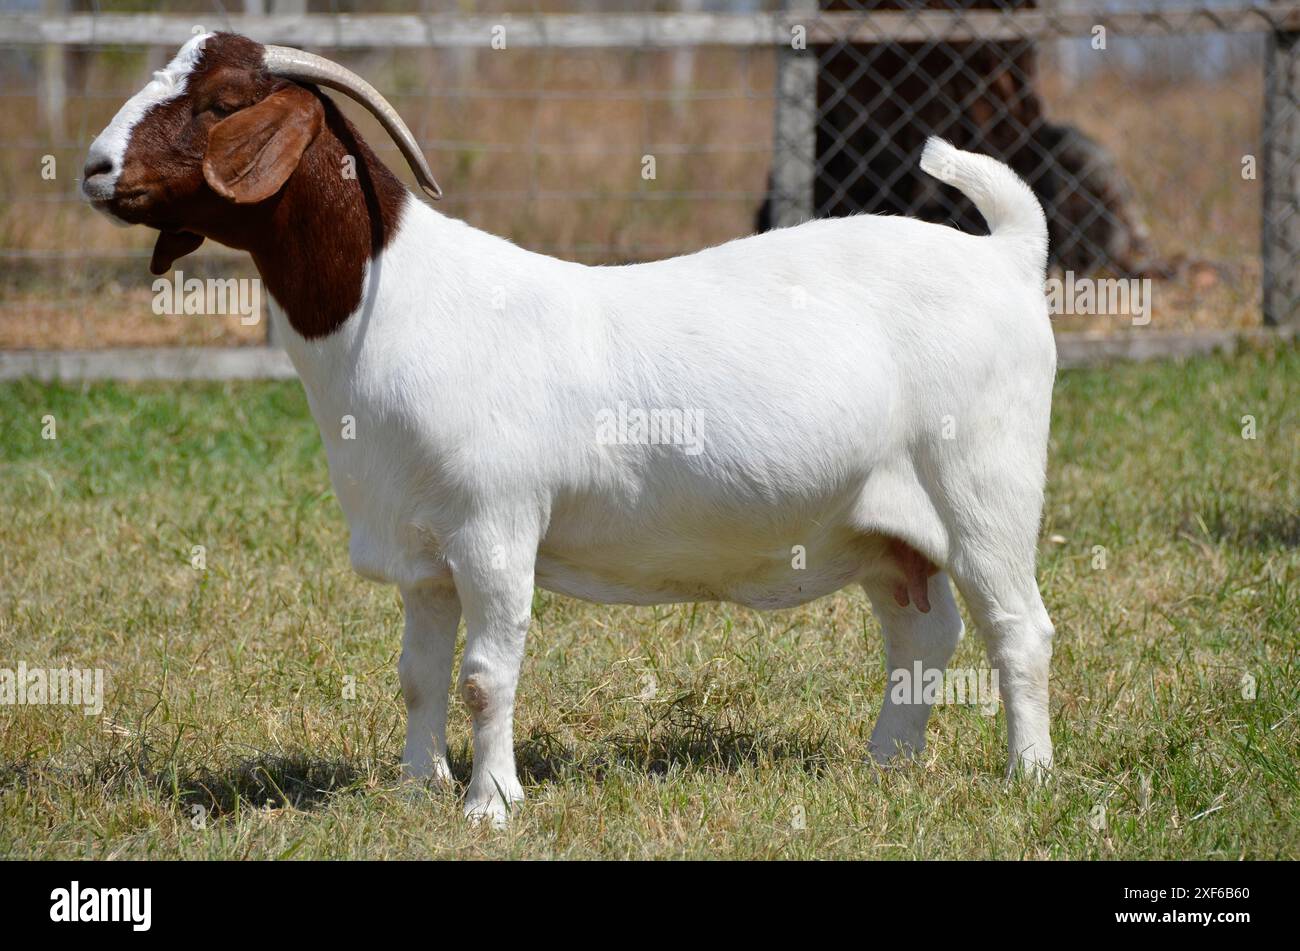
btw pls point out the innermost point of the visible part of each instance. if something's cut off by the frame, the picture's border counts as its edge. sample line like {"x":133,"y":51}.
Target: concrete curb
{"x":269,"y":363}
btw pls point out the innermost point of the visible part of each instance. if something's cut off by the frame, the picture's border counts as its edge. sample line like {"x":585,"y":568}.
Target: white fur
{"x":852,"y":378}
{"x":111,"y":144}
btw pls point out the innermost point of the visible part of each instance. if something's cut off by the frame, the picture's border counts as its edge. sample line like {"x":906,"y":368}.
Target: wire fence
{"x":1163,"y":140}
{"x":860,"y":108}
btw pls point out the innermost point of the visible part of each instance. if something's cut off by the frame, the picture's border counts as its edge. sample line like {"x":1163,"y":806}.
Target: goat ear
{"x":252,"y":153}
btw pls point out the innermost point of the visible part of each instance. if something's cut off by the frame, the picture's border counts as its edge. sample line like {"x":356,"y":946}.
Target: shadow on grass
{"x":674,"y":738}
{"x":1269,"y":528}
{"x":268,"y":781}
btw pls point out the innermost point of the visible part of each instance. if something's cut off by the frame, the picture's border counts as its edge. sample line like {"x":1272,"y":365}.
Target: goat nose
{"x":98,"y":175}
{"x":97,"y":165}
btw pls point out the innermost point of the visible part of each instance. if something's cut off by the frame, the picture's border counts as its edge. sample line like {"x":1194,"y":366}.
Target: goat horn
{"x":310,"y":68}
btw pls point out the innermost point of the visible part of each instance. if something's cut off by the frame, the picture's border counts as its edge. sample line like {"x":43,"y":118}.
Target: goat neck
{"x":312,"y":241}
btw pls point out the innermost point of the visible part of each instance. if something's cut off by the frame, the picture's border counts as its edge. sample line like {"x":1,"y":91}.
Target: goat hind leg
{"x":912,"y":638}
{"x":1009,"y":614}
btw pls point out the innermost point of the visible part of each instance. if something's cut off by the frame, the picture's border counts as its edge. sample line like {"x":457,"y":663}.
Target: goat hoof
{"x":1037,"y":769}
{"x":495,"y":806}
{"x":492,"y":814}
{"x":435,"y":774}
{"x":895,"y":752}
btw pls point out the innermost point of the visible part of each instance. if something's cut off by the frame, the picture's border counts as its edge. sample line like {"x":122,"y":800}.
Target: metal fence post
{"x":794,"y":154}
{"x":1281,"y":171}
{"x":54,"y":92}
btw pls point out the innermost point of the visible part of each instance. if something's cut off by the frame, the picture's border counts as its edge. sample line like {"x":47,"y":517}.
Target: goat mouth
{"x":105,"y":207}
{"x":134,"y":199}
{"x":127,"y":207}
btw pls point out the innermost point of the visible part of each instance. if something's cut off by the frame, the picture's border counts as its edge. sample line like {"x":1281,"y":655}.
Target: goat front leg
{"x":428,"y":648}
{"x":494,"y":577}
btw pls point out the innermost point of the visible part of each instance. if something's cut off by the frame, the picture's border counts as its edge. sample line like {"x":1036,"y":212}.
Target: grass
{"x":227,"y":733}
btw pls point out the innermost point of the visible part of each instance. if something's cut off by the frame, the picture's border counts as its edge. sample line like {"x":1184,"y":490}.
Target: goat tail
{"x":1002,"y":197}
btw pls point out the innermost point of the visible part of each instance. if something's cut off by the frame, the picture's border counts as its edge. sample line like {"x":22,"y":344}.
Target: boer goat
{"x":868,"y":398}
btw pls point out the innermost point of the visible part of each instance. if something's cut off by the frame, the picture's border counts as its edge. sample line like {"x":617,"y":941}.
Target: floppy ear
{"x":252,"y":153}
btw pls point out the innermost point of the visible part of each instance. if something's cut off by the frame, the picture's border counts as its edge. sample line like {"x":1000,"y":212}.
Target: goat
{"x":868,"y":399}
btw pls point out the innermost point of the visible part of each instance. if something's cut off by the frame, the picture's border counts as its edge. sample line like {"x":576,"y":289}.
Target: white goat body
{"x":824,"y":365}
{"x":863,"y":400}
{"x":852,"y":380}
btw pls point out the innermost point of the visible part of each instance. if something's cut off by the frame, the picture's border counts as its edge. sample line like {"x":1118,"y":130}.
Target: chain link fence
{"x":1005,"y":77}
{"x":1162,"y":138}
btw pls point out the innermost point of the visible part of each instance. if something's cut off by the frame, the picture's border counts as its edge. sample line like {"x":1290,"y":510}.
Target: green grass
{"x":224,"y":687}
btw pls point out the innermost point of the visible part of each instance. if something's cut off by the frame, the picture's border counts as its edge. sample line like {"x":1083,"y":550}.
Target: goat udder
{"x":917,"y":571}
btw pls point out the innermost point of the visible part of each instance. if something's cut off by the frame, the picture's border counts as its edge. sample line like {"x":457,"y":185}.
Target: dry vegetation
{"x":547,"y":149}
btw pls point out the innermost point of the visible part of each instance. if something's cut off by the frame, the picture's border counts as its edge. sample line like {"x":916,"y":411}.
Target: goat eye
{"x":218,"y":109}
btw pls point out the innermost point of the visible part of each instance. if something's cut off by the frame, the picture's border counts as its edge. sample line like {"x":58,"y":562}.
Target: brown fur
{"x":276,"y":152}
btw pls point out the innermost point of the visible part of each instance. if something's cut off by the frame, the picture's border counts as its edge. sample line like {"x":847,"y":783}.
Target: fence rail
{"x":638,"y":31}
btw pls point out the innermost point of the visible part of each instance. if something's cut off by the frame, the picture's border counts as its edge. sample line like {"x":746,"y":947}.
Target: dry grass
{"x":1181,"y":146}
{"x":225,"y":686}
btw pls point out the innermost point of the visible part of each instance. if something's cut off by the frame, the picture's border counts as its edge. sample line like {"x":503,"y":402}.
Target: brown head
{"x":234,"y":141}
